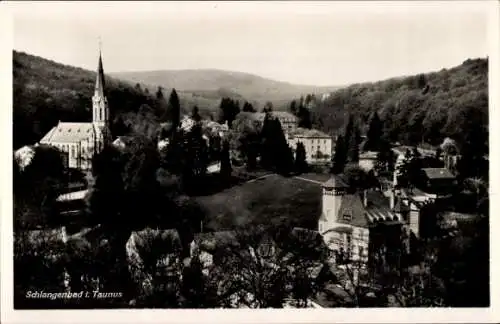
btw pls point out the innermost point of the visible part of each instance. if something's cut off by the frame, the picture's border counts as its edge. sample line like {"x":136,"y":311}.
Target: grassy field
{"x":270,"y":201}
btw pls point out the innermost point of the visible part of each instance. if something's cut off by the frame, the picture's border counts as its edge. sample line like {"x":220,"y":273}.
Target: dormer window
{"x":347,"y":217}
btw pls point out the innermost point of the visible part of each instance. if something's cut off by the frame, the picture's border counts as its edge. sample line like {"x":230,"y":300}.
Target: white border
{"x":231,"y":316}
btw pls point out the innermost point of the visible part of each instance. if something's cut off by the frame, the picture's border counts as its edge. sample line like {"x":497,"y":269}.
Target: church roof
{"x":69,"y":133}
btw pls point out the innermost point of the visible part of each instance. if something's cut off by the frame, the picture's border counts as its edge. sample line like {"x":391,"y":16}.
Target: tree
{"x":276,"y":154}
{"x":245,"y":139}
{"x":410,"y":169}
{"x":340,"y":156}
{"x":159,"y":93}
{"x":263,"y":268}
{"x":386,"y":158}
{"x":196,"y":114}
{"x":374,"y":134}
{"x":248,"y":107}
{"x":229,"y":109}
{"x":268,"y":107}
{"x":300,"y":158}
{"x":225,"y":166}
{"x":352,"y":140}
{"x":46,"y":172}
{"x":174,"y":109}
{"x":293,"y":108}
{"x":304,"y":116}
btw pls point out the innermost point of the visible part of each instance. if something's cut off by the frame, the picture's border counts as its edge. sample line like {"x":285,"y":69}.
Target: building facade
{"x":347,"y":219}
{"x":318,"y":145}
{"x":79,"y":142}
{"x":289,"y":122}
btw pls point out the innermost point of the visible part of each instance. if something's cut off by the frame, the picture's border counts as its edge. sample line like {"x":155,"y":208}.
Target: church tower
{"x":100,"y":111}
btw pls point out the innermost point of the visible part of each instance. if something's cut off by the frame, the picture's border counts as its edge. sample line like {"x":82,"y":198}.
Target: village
{"x":371,"y":219}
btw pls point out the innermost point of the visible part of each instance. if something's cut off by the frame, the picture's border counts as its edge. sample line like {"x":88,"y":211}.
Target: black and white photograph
{"x":249,"y":155}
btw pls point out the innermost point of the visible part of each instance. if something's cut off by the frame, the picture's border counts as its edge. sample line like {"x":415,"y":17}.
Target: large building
{"x":289,"y":122}
{"x":81,"y":141}
{"x":348,"y":219}
{"x":318,"y":145}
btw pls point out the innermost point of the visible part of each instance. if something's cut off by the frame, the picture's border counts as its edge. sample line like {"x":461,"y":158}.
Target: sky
{"x":316,"y":43}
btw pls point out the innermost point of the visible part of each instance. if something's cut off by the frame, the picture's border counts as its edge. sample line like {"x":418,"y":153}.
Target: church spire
{"x":100,"y":113}
{"x":99,"y":83}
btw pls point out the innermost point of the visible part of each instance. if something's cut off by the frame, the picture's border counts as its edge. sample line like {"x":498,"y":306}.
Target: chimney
{"x":365,"y":198}
{"x":392,"y":199}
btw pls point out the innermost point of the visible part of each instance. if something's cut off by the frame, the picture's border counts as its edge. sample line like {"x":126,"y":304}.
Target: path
{"x":308,"y":180}
{"x":261,"y":177}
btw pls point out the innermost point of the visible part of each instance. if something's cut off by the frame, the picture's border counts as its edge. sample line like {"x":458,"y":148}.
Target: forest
{"x":415,"y":110}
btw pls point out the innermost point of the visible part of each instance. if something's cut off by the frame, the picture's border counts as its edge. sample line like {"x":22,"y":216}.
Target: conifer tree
{"x":374,"y":134}
{"x":174,"y":109}
{"x":195,"y":115}
{"x":300,"y":158}
{"x":340,"y":156}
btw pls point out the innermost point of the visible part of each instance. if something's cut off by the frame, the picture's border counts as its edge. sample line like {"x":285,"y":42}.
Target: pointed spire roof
{"x":99,"y":83}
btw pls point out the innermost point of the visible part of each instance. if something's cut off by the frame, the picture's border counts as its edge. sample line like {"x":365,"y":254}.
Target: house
{"x":348,"y":218}
{"x":318,"y":145}
{"x":289,"y":122}
{"x":81,"y":141}
{"x":438,"y":180}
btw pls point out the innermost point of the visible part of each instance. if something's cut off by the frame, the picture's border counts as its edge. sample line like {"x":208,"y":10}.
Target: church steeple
{"x":100,"y":111}
{"x":99,"y":83}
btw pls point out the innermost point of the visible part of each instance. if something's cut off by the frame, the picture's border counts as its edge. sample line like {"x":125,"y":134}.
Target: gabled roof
{"x":336,"y":181}
{"x":70,"y":133}
{"x":352,"y":206}
{"x":438,"y":173}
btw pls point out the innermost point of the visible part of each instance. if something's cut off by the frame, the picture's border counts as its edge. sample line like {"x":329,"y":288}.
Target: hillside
{"x":45,"y":92}
{"x":199,"y":82}
{"x":415,"y":109}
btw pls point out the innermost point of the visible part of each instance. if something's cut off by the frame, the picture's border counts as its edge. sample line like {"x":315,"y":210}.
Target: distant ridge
{"x":253,"y":87}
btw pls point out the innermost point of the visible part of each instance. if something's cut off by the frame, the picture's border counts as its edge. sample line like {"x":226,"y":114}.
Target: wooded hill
{"x":421,"y":108}
{"x":45,"y":92}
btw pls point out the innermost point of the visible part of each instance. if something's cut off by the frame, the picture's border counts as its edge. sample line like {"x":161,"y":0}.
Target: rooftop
{"x":304,"y":132}
{"x":278,"y":114}
{"x":69,"y":133}
{"x":438,"y":173}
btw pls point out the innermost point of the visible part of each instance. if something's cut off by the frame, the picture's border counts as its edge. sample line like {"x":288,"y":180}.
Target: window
{"x":347,"y":217}
{"x":100,"y":114}
{"x":73,"y":151}
{"x":361,"y":251}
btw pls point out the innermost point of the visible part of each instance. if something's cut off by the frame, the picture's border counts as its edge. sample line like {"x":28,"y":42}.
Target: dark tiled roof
{"x":351,"y":205}
{"x":438,"y":173}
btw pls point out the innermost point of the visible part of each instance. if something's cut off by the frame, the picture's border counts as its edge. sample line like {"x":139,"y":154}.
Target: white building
{"x":318,"y":145}
{"x":80,"y":141}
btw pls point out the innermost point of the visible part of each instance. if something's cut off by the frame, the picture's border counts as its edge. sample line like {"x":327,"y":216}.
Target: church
{"x":79,"y":142}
